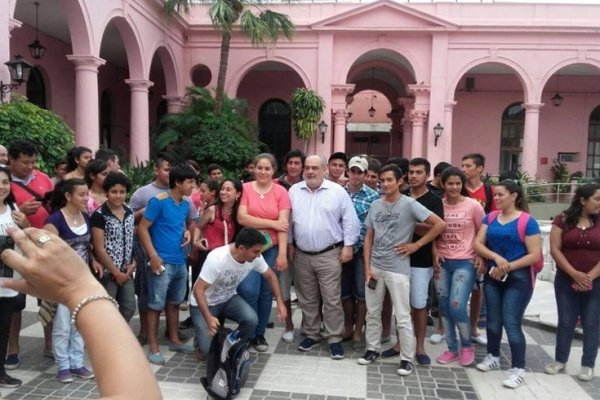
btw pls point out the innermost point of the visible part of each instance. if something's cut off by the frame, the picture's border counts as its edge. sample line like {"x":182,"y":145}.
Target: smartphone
{"x":504,"y":277}
{"x":160,"y":270}
{"x":372,"y":284}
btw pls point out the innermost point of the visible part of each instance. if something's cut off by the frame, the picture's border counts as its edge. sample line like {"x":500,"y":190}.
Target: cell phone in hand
{"x":503,"y":278}
{"x":372,"y":284}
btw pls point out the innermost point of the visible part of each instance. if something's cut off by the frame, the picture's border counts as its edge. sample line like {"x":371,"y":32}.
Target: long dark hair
{"x":10,"y":199}
{"x":239,"y":187}
{"x":73,"y":154}
{"x":572,"y":214}
{"x":454,"y":171}
{"x":514,"y":186}
{"x":59,"y":200}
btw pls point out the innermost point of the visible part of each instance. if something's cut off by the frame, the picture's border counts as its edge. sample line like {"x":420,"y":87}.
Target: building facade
{"x":491,"y":75}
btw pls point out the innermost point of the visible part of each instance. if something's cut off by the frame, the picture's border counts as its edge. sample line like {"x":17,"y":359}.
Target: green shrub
{"x":21,"y":119}
{"x":140,"y":175}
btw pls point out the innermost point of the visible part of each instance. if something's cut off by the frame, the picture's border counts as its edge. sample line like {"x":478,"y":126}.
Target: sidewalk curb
{"x":549,"y":327}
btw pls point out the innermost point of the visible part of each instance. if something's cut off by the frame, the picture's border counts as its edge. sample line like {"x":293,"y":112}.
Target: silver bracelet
{"x":87,"y":301}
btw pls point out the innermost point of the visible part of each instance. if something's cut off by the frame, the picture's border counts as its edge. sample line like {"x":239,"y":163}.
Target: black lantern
{"x":36,"y":48}
{"x":19,"y":73}
{"x":322,"y":130}
{"x":437,"y":132}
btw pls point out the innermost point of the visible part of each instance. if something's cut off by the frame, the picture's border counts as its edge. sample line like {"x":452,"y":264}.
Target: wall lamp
{"x":323,"y":130}
{"x":19,"y":73}
{"x":437,"y":132}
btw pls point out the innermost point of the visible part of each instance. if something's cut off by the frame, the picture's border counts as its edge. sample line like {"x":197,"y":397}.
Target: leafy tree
{"x":262,"y":29}
{"x":228,"y":138}
{"x":20,"y":119}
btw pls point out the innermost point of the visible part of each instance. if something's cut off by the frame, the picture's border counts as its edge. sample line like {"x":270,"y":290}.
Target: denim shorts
{"x":419,"y":286}
{"x":168,"y":287}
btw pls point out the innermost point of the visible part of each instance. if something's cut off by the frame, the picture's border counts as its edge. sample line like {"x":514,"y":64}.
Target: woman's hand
{"x":121,"y":278}
{"x":201,"y":244}
{"x":20,"y":219}
{"x":480,"y":265}
{"x":581,"y":279}
{"x":130,"y":269}
{"x":281,"y":262}
{"x":497,"y":273}
{"x":502,"y":264}
{"x":51,"y":270}
{"x":280,"y":226}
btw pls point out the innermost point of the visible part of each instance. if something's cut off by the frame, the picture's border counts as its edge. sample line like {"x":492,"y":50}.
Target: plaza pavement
{"x":285,"y":373}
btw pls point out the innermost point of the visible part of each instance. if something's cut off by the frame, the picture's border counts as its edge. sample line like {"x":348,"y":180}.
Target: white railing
{"x":555,"y":193}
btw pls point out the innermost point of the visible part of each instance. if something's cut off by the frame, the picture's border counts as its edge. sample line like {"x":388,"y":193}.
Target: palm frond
{"x":224,"y":13}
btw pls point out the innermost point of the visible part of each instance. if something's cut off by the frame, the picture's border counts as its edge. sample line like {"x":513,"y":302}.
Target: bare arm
{"x":282,"y":239}
{"x":200,"y":294}
{"x":104,"y":258}
{"x":579,"y":277}
{"x":249,"y":221}
{"x":274,"y":285}
{"x":146,"y":241}
{"x":367,"y":248}
{"x":437,"y":227}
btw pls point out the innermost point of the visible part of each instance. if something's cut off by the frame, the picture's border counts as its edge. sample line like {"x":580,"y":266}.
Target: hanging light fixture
{"x":557,"y":99}
{"x":36,"y":48}
{"x":372,"y":109}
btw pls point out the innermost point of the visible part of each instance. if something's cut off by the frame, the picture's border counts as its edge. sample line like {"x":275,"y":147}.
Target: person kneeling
{"x":215,"y":289}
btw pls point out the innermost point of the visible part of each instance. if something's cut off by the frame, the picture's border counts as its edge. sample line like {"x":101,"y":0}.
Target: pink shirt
{"x":266,"y":206}
{"x":462,"y":223}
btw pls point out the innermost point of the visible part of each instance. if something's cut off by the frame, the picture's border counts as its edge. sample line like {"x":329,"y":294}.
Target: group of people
{"x":363,"y":243}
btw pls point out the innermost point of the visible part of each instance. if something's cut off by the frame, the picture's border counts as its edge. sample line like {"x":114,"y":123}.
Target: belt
{"x":314,"y":253}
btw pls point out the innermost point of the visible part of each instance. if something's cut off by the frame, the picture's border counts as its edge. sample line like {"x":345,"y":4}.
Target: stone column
{"x":339,"y":131}
{"x":531,"y":138}
{"x":174,"y":103}
{"x":446,"y":140}
{"x":408,"y":103}
{"x":418,"y":119}
{"x":339,"y":94}
{"x":87,"y":121}
{"x":140,"y":125}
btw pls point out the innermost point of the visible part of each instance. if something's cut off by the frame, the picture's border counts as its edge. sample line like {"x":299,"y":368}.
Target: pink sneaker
{"x":447,"y":357}
{"x":467,"y":356}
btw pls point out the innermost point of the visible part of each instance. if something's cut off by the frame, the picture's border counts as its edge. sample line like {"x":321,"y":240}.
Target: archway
{"x":36,"y":88}
{"x":593,"y":145}
{"x":511,"y":138}
{"x":275,"y":127}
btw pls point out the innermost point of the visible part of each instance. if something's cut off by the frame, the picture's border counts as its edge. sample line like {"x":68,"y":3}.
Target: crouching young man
{"x":215,"y":290}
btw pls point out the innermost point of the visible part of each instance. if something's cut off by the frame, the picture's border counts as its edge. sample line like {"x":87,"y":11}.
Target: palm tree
{"x":263,"y":28}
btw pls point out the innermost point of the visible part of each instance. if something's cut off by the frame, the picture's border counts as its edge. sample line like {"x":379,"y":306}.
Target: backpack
{"x":489,"y":197}
{"x":537,"y":265}
{"x":228,"y":365}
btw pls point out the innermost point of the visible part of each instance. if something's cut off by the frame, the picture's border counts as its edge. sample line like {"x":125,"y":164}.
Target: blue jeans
{"x":506,"y":304}
{"x":234,"y":309}
{"x":67,"y":343}
{"x":353,"y":278}
{"x":256,"y":291}
{"x":168,"y":287}
{"x":571,"y":305}
{"x":453,"y":288}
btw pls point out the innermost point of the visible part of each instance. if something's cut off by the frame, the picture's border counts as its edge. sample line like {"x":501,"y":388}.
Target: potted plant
{"x":560,"y":175}
{"x":307,"y":107}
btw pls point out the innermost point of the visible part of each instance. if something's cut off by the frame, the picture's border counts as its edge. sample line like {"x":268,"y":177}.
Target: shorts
{"x":419,"y":286}
{"x":353,"y":278}
{"x":168,"y":287}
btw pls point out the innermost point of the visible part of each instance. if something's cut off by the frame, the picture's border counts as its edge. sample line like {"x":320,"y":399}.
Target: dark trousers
{"x":7,"y":307}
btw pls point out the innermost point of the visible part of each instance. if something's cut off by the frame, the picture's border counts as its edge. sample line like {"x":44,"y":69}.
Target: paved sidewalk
{"x":285,"y":373}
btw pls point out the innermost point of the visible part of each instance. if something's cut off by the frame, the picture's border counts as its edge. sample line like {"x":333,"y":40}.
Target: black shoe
{"x":270,"y":325}
{"x":9,"y":382}
{"x":260,"y":343}
{"x":186,"y":324}
{"x":405,"y":369}
{"x":368,"y":358}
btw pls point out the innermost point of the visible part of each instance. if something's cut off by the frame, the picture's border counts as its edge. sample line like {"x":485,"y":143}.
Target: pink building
{"x":489,"y":74}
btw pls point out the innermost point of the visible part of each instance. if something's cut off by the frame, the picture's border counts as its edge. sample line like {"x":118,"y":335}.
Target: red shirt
{"x":479,"y":195}
{"x":40,"y":184}
{"x":214,"y":232}
{"x":581,"y":247}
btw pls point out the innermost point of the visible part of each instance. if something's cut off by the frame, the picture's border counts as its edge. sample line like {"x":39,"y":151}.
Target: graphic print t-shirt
{"x":462,"y":222}
{"x":6,"y":242}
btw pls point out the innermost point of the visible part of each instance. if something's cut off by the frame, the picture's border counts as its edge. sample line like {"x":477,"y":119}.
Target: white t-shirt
{"x":223,"y":273}
{"x":6,"y":222}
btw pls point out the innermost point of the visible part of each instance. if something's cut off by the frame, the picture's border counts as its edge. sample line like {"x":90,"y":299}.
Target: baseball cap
{"x":359,"y":162}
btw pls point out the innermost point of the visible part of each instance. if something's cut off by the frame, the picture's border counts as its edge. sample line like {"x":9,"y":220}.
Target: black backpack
{"x":228,"y":365}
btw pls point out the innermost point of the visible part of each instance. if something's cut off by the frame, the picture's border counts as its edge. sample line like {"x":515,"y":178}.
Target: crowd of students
{"x":369,"y":248}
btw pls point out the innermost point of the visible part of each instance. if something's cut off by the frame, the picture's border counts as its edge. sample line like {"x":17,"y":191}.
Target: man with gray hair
{"x":324,"y":228}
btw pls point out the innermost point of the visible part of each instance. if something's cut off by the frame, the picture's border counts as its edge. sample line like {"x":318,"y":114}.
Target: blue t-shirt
{"x":505,"y":240}
{"x":168,"y":226}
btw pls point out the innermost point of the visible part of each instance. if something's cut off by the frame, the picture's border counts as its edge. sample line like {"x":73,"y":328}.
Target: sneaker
{"x":307,"y":344}
{"x":586,"y":374}
{"x":9,"y":382}
{"x":480,"y":339}
{"x":389,"y":353}
{"x":288,"y":336}
{"x":489,"y":363}
{"x":447,"y":357}
{"x":368,"y":358}
{"x":405,"y":369}
{"x":516,"y":378}
{"x":336,"y":351}
{"x":482,"y":323}
{"x":184,"y":307}
{"x":423,"y":359}
{"x":554,"y":368}
{"x":155,"y":358}
{"x":65,"y":376}
{"x":185,"y":348}
{"x":82,"y":373}
{"x":11,"y":362}
{"x":436,"y":338}
{"x":260,"y":344}
{"x":466,"y":356}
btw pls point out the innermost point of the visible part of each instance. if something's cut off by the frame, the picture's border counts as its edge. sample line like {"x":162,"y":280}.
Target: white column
{"x":339,"y":132}
{"x":531,"y":138}
{"x":140,"y":126}
{"x":446,"y":140}
{"x":408,"y":104}
{"x":418,"y":118}
{"x":174,"y":103}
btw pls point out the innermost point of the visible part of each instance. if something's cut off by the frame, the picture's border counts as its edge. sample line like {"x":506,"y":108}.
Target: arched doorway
{"x":593,"y":145}
{"x":511,"y":138}
{"x":36,"y":88}
{"x":275,"y":127}
{"x":105,"y":120}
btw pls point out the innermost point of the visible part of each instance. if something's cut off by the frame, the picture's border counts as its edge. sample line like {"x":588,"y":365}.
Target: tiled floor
{"x":285,"y":373}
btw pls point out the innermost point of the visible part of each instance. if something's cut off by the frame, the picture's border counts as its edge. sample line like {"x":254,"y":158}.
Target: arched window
{"x":105,"y":120}
{"x":275,"y":127}
{"x":511,"y":142}
{"x":593,"y":152}
{"x":36,"y":88}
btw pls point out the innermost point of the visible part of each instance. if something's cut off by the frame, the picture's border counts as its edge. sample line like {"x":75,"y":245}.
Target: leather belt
{"x":314,"y":253}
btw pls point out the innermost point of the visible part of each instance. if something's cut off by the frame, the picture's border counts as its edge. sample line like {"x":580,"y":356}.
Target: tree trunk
{"x":223,"y":64}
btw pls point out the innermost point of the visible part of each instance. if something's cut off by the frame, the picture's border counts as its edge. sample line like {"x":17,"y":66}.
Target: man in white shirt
{"x":215,"y":290}
{"x":324,"y":229}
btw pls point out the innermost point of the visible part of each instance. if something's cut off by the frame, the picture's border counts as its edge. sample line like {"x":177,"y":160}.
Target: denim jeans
{"x":168,"y":287}
{"x":234,"y":309}
{"x":67,"y":343}
{"x":256,"y":291}
{"x":7,"y":308}
{"x":571,"y":305}
{"x":353,"y":278}
{"x":453,"y":287}
{"x":506,"y":304}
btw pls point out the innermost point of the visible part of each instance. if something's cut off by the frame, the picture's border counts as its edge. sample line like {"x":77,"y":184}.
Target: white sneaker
{"x":436,"y":338}
{"x":586,"y":374}
{"x":516,"y":378}
{"x":489,"y":363}
{"x":554,"y":368}
{"x":288,"y":336}
{"x":480,"y":339}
